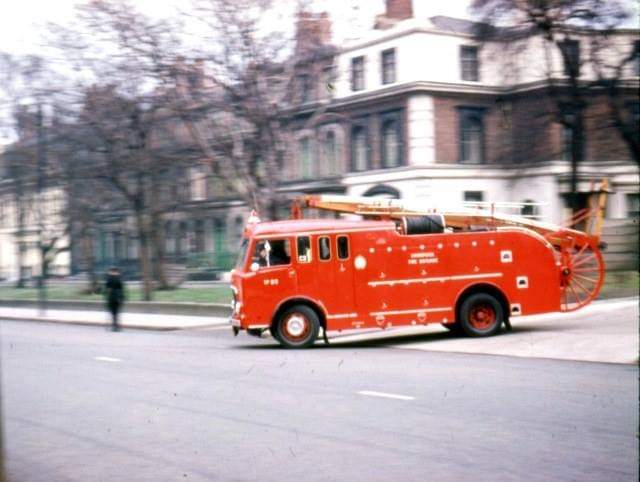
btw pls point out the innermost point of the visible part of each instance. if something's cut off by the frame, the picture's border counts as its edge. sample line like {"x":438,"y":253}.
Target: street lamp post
{"x":40,"y":181}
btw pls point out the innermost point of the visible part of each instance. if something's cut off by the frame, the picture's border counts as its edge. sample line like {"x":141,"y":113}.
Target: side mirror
{"x":254,"y":267}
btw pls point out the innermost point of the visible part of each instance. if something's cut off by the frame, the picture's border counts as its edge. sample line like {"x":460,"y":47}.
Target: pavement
{"x":140,"y":321}
{"x":605,"y":331}
{"x":84,"y":404}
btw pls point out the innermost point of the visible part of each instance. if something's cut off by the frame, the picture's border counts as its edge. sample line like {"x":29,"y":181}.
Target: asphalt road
{"x":84,"y":404}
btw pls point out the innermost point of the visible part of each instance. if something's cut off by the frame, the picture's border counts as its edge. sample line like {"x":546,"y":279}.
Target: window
{"x":633,"y":205}
{"x":330,"y":154}
{"x":304,"y":88}
{"x":199,"y":236}
{"x":324,"y":248}
{"x":343,"y":247}
{"x":469,"y":63}
{"x":388,"y":63}
{"x":198,"y":183}
{"x":170,"y":237}
{"x":242,"y":253}
{"x":359,"y":148}
{"x":473,"y":196}
{"x":567,"y":142}
{"x":328,"y":81}
{"x":357,"y":73}
{"x":238,"y":228}
{"x":633,"y":113}
{"x":529,"y":209}
{"x":390,"y":136}
{"x":272,"y":252}
{"x":571,"y":122}
{"x":571,"y":57}
{"x":181,"y":245}
{"x":471,"y":135}
{"x":305,"y":157}
{"x":304,"y":249}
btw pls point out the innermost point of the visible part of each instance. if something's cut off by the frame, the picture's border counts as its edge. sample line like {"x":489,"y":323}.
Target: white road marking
{"x":107,"y":359}
{"x":370,"y":393}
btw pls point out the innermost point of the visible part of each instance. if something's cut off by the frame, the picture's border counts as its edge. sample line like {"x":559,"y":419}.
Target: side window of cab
{"x":343,"y":247}
{"x":303,"y":246}
{"x":272,"y":252}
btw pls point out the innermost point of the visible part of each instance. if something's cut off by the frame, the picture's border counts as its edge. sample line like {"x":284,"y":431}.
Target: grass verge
{"x":214,"y":294}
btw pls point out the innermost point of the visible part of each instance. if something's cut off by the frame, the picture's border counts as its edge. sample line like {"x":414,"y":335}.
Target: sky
{"x":23,"y":22}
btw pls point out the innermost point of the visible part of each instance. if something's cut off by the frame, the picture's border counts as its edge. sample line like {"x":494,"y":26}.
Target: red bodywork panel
{"x":391,"y":279}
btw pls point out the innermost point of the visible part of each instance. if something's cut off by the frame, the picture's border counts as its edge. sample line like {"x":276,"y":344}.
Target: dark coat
{"x":114,"y":290}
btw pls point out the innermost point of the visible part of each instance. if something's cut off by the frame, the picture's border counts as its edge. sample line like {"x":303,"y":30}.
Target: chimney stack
{"x":399,"y":9}
{"x":312,"y":30}
{"x":396,"y":11}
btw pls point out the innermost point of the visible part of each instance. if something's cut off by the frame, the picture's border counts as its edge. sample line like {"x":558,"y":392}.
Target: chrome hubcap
{"x":295,"y":325}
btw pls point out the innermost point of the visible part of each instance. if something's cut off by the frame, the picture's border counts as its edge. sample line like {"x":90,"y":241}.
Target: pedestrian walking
{"x":114,"y":295}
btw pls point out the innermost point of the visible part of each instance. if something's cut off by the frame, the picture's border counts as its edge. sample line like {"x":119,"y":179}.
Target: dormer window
{"x":388,"y":63}
{"x":357,"y":73}
{"x":469,"y":63}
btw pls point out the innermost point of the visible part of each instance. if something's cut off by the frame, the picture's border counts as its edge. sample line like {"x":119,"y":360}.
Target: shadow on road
{"x":336,"y":343}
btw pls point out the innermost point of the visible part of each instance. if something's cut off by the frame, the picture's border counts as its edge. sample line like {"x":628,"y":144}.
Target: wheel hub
{"x":296,"y":325}
{"x":482,"y":317}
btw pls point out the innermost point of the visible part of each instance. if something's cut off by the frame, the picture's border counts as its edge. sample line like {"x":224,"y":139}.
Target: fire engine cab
{"x":470,"y":270}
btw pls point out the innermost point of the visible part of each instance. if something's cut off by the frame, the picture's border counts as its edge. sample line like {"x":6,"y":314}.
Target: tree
{"x":31,"y":93}
{"x":233,"y":91}
{"x":122,"y":110}
{"x":577,"y":78}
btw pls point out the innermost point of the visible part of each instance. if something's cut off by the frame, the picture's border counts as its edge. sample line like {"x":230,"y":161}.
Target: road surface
{"x":85,"y":404}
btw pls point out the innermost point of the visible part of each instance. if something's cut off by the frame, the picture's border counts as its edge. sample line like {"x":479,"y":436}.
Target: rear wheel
{"x":481,"y":315}
{"x":297,"y":327}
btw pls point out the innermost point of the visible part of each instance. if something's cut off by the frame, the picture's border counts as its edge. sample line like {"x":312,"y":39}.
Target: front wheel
{"x":297,"y":327}
{"x":481,"y":315}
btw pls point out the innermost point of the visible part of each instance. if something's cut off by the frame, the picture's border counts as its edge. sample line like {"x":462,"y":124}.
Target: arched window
{"x":359,"y":148}
{"x":471,"y":135}
{"x":330,"y":155}
{"x":390,"y":143}
{"x":305,"y":157}
{"x":383,"y":191}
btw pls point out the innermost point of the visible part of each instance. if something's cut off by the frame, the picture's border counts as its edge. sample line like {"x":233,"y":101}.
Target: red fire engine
{"x":469,"y":270}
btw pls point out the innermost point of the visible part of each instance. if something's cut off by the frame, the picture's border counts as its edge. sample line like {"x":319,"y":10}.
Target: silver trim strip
{"x":408,"y":312}
{"x":435,"y":279}
{"x":343,"y":315}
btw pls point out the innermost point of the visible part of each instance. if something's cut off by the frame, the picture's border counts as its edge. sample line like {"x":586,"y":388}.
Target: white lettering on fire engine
{"x":271,"y":281}
{"x":423,"y":258}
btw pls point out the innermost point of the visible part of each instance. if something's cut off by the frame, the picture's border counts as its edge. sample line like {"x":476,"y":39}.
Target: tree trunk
{"x":89,"y":258}
{"x":20,"y":208}
{"x":145,"y":260}
{"x":157,"y":236}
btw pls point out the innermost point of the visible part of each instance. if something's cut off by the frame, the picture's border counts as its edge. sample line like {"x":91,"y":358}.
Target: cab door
{"x":272,"y":283}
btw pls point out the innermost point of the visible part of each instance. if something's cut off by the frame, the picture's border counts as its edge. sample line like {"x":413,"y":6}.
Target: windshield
{"x":242,"y":255}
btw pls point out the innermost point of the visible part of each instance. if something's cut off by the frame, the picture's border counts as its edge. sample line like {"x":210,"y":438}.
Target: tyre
{"x":481,"y":315}
{"x":297,"y":327}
